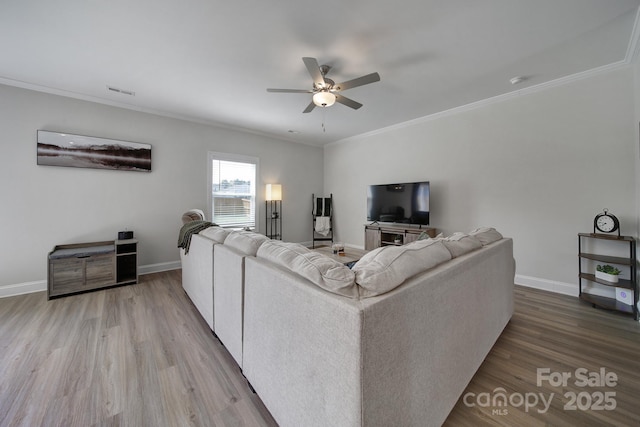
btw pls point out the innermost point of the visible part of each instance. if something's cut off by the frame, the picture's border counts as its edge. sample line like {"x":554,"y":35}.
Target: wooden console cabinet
{"x":88,"y":266}
{"x":376,"y":235}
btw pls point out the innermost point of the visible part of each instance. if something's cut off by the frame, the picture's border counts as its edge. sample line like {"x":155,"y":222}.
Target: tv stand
{"x":377,"y":235}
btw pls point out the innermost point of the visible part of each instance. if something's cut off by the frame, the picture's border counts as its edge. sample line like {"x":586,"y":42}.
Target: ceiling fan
{"x":325,"y":91}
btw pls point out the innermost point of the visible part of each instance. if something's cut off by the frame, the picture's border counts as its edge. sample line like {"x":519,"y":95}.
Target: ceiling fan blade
{"x":348,"y":102}
{"x":309,"y":108}
{"x":360,"y":81}
{"x":290,"y":90}
{"x":314,"y":70}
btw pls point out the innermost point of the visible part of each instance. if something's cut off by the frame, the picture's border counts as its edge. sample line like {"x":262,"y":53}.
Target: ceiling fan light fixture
{"x":324,"y":89}
{"x":324,"y":99}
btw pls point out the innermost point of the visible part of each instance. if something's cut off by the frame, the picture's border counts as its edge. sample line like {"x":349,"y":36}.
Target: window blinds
{"x":233,"y":193}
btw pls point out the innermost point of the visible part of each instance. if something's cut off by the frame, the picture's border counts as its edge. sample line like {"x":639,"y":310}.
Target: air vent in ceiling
{"x":122,"y":91}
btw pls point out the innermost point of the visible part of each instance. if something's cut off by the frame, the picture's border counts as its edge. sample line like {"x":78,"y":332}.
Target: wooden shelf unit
{"x":601,"y":256}
{"x":377,"y":235}
{"x":83,"y":267}
{"x":126,"y":261}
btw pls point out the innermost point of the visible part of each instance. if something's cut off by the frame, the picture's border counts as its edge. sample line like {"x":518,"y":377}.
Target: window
{"x":232,"y":189}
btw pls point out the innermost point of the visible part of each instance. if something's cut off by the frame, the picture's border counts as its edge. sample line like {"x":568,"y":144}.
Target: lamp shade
{"x":324,"y":99}
{"x":274,"y":192}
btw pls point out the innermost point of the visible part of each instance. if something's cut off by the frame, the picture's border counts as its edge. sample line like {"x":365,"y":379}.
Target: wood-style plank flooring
{"x":562,"y":334}
{"x":141,"y":356}
{"x":137,"y":355}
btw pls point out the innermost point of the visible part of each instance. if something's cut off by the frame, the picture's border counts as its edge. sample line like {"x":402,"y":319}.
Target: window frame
{"x":230,"y":157}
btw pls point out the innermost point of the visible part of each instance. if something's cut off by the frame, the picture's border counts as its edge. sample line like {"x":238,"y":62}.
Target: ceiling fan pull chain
{"x":323,"y":117}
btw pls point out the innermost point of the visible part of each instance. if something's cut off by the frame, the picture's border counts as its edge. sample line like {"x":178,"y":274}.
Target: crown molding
{"x":103,"y":101}
{"x":490,"y":101}
{"x":634,"y":46}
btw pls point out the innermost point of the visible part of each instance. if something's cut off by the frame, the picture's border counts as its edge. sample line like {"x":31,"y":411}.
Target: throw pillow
{"x":486,"y":235}
{"x":320,"y":270}
{"x":217,"y":234}
{"x":246,"y":242}
{"x":424,"y":236}
{"x":460,"y":244}
{"x":385,"y":268}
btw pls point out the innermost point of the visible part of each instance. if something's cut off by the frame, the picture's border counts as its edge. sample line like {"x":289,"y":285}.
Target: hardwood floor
{"x":562,"y":334}
{"x":132,"y":356}
{"x":141,"y":356}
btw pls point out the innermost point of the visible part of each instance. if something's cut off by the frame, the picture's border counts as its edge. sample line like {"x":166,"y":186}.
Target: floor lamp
{"x":273,"y":211}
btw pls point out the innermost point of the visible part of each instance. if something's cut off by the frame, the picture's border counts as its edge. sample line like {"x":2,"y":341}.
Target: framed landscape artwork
{"x":63,"y":149}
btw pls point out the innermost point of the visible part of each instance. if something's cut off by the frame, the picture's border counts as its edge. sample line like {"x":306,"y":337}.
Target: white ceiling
{"x":211,"y":60}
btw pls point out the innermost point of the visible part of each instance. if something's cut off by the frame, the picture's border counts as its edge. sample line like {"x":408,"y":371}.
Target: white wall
{"x":637,"y":156}
{"x":43,"y":206}
{"x":538,"y":167}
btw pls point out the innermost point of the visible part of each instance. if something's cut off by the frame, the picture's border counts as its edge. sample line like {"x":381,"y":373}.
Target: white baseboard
{"x":563,"y":288}
{"x":41,"y":285}
{"x":157,"y":268}
{"x":547,"y":285}
{"x":23,"y":288}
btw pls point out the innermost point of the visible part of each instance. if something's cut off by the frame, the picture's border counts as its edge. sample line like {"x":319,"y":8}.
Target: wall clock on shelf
{"x":606,"y":223}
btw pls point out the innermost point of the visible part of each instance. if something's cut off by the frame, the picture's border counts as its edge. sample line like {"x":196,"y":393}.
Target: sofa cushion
{"x":246,"y":242}
{"x":217,"y":234}
{"x":460,"y":244}
{"x":424,"y":236}
{"x":385,"y":268}
{"x":486,"y":235}
{"x":321,"y":270}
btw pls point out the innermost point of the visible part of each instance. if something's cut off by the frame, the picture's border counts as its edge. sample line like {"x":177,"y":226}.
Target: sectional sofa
{"x":393,"y":341}
{"x":197,"y":270}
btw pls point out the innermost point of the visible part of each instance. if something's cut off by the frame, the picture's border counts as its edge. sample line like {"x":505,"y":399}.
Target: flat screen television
{"x":406,"y":203}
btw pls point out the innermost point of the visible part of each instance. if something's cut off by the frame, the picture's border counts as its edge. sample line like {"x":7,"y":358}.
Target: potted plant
{"x":398,"y":239}
{"x":607,"y":272}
